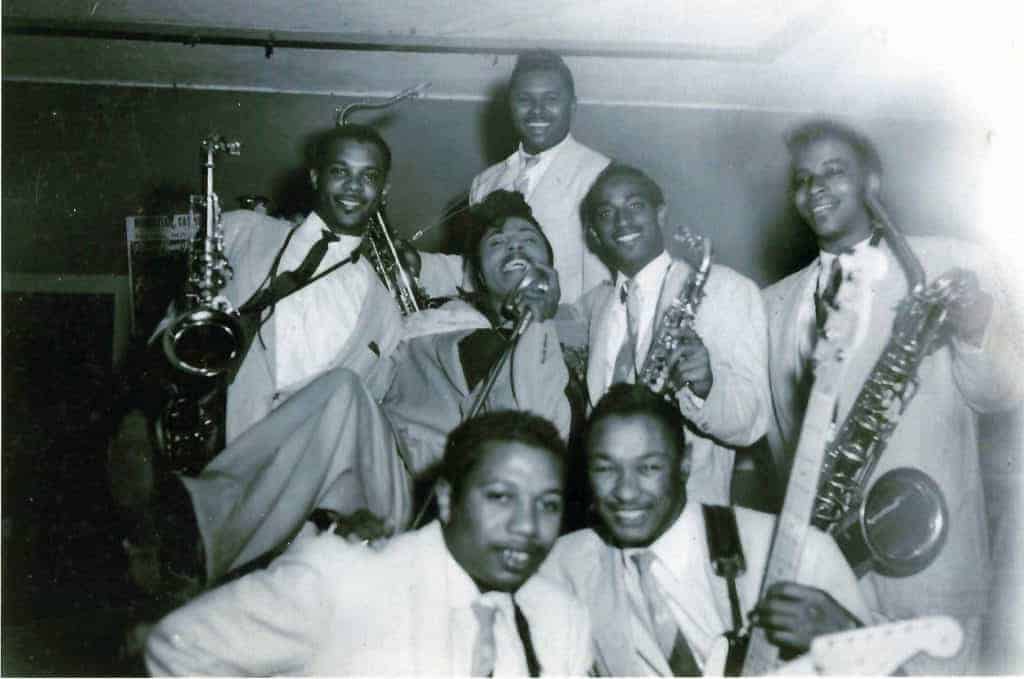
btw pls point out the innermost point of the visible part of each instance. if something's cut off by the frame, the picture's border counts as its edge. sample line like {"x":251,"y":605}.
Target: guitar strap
{"x":726,"y":553}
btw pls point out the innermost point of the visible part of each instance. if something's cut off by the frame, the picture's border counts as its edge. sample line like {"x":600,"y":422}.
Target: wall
{"x":78,"y":159}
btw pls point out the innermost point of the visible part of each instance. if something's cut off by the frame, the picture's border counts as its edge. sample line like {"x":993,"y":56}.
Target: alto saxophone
{"x":900,"y":526}
{"x":379,"y":244}
{"x":655,"y":373}
{"x":206,"y":340}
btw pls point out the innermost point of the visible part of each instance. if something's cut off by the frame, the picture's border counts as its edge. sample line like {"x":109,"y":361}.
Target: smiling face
{"x":829,"y":185}
{"x":349,"y":185}
{"x":626,"y":222}
{"x":638,"y":477}
{"x":506,"y":514}
{"x":506,"y":253}
{"x":542,"y":106}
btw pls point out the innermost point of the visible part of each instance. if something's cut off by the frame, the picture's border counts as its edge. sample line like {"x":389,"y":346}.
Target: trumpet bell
{"x":205,"y":342}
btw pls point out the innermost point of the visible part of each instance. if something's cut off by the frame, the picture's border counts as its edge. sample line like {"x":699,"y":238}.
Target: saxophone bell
{"x":205,"y":342}
{"x":900,"y":527}
{"x":206,"y":339}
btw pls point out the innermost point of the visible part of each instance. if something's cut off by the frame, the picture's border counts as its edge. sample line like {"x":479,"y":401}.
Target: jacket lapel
{"x":550,"y":187}
{"x":784,"y":364}
{"x":429,"y":602}
{"x":598,"y":353}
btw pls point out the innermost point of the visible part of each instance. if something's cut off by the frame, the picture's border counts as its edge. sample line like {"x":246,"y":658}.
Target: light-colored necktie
{"x":485,"y":650}
{"x":664,"y":627}
{"x":625,"y":361}
{"x":524,"y":180}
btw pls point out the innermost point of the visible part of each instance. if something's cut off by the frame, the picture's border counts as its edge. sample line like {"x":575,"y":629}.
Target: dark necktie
{"x":662,"y":624}
{"x":524,"y":634}
{"x":825,"y":298}
{"x":485,"y":649}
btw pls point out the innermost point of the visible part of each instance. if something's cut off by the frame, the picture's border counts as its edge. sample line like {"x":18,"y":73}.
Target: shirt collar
{"x":856,"y":251}
{"x":678,"y":548}
{"x":546,"y":154}
{"x":462,"y":591}
{"x":649,"y":278}
{"x":313,"y":226}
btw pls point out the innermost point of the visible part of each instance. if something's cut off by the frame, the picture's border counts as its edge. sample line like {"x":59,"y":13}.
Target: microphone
{"x":533,"y":277}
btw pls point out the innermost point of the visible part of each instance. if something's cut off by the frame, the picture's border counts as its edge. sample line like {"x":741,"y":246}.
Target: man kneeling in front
{"x":457,"y":597}
{"x":645,"y":573}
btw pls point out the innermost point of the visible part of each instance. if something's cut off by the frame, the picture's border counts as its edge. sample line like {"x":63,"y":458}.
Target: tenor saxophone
{"x":680,"y":314}
{"x":899,"y":527}
{"x":379,"y":244}
{"x":206,"y":340}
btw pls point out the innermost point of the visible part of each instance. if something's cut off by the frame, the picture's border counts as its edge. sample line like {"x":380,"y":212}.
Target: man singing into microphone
{"x":359,"y":445}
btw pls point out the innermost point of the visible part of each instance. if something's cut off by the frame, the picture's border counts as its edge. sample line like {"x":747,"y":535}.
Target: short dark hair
{"x":623,"y":400}
{"x":355,"y":132}
{"x":616,"y":169}
{"x":491,"y":213}
{"x":466,"y":442}
{"x":821,"y":128}
{"x":542,"y":60}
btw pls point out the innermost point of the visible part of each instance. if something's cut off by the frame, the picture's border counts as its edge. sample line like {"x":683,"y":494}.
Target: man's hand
{"x":691,"y":363}
{"x":793,"y":615}
{"x":969,"y":316}
{"x":543,"y":295}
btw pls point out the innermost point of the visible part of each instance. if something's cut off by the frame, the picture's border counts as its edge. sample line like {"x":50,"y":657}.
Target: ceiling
{"x":786,"y":55}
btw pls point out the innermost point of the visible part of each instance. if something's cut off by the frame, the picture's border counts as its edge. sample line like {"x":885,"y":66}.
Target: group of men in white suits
{"x":742,"y":371}
{"x":452,"y":599}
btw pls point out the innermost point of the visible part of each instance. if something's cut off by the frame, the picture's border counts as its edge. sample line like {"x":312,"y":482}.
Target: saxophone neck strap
{"x":278,"y":286}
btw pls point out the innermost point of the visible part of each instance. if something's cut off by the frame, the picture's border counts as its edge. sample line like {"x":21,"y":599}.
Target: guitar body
{"x":869,"y":651}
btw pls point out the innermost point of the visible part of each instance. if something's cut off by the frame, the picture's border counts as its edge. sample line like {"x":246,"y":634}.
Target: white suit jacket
{"x":555,"y":200}
{"x":593,"y":570}
{"x":327,"y":607}
{"x":731,"y":323}
{"x":938,"y":433}
{"x":251,"y":242}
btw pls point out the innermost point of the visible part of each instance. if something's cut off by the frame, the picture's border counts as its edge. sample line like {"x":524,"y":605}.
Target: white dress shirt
{"x":313,"y":324}
{"x":510,"y":659}
{"x":863,"y":266}
{"x":533,"y":174}
{"x":647,"y":286}
{"x":680,"y":572}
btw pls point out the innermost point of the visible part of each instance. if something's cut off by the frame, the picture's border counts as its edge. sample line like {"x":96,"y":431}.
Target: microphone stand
{"x":492,"y":376}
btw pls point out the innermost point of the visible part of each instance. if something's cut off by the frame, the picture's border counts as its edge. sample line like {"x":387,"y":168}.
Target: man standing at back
{"x":550,"y":168}
{"x":718,"y":368}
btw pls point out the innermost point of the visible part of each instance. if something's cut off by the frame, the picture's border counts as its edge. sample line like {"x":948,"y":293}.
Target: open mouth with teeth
{"x":515,"y":560}
{"x":630,"y":517}
{"x":820,"y":208}
{"x":516,"y":264}
{"x":627,"y":238}
{"x":348,"y":204}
